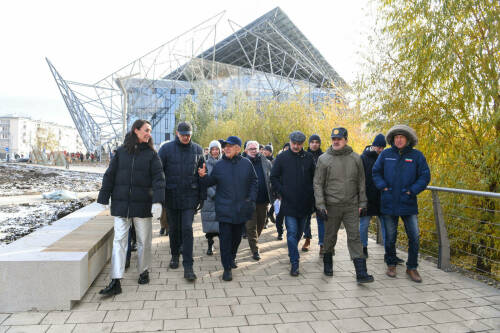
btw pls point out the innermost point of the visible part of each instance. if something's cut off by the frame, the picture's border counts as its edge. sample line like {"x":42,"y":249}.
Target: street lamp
{"x":119,"y":83}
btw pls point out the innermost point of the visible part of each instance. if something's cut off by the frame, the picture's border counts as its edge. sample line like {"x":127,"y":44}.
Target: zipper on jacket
{"x":130,"y":185}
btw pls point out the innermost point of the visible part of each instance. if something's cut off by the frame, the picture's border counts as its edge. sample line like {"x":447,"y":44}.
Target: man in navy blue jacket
{"x":236,"y":182}
{"x":401,"y":173}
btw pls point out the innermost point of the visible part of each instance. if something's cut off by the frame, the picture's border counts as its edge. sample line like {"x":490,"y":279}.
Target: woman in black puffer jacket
{"x":136,"y":184}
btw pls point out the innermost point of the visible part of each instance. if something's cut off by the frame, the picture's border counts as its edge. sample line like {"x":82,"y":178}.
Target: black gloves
{"x":321,"y":213}
{"x":363,"y":212}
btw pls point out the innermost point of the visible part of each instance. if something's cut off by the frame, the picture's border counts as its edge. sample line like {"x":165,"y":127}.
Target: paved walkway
{"x":263,"y":297}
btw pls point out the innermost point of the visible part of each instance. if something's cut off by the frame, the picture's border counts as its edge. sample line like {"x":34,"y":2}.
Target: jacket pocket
{"x":408,"y":201}
{"x":386,"y":200}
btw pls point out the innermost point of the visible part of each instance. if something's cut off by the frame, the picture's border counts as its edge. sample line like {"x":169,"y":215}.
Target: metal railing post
{"x":444,"y":262}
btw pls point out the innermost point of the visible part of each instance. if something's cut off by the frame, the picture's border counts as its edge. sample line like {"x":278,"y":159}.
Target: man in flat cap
{"x":401,"y":173}
{"x":339,"y":189}
{"x":237,"y":190}
{"x":292,"y":179}
{"x":181,"y":159}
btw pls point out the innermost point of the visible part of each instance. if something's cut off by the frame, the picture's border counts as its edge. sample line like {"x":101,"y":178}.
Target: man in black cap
{"x":315,"y":149}
{"x":237,"y":189}
{"x":292,"y":179}
{"x":181,"y":159}
{"x":339,"y":189}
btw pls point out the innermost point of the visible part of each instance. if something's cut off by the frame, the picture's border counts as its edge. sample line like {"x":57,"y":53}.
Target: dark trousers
{"x":131,"y":239}
{"x":180,"y":223}
{"x":255,"y":225}
{"x":230,"y":239}
{"x":279,"y":223}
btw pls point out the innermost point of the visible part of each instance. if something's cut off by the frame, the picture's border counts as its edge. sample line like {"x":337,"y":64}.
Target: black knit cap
{"x":314,"y":137}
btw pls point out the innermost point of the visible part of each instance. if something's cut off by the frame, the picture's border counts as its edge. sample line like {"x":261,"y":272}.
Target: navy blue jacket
{"x":292,"y":178}
{"x":180,"y":164}
{"x":400,"y":172}
{"x":133,"y":182}
{"x":236,"y":189}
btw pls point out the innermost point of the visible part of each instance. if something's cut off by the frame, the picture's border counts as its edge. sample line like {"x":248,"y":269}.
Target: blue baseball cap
{"x":233,"y":140}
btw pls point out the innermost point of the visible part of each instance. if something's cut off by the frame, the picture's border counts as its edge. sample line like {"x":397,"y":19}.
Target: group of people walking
{"x":233,"y":191}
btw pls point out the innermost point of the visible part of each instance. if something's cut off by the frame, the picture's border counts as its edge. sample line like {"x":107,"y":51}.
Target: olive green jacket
{"x":339,"y":179}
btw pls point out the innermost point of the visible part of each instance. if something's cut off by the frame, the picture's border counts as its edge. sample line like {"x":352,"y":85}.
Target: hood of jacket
{"x":368,"y":152}
{"x":407,"y":131}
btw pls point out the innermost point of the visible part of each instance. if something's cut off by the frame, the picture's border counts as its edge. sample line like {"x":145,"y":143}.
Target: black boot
{"x":127,"y":263}
{"x":189,"y":274}
{"x":227,"y":275}
{"x":144,"y":277}
{"x":365,"y":251}
{"x":234,"y":264}
{"x":210,"y":250}
{"x":174,"y":262}
{"x":113,"y":288}
{"x":362,"y":275}
{"x":328,"y":263}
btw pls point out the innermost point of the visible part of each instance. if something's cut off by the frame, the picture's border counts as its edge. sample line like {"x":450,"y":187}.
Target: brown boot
{"x":391,"y":271}
{"x":306,"y":245}
{"x":414,"y":276}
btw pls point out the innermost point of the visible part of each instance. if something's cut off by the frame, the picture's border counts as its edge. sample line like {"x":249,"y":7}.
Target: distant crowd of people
{"x":239,"y":186}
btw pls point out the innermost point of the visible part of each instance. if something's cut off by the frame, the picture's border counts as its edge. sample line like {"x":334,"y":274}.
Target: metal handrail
{"x":467,"y":192}
{"x":444,"y":253}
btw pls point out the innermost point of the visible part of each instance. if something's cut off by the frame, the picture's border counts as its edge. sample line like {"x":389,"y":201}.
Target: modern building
{"x":268,"y":59}
{"x":20,"y":135}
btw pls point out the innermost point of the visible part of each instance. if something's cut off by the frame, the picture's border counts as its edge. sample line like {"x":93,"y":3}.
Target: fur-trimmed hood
{"x":407,"y":131}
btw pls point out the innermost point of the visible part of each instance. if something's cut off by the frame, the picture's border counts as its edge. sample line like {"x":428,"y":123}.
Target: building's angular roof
{"x":272,"y":44}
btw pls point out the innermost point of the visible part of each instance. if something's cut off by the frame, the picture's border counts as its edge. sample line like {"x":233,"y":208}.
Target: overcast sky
{"x":87,"y":40}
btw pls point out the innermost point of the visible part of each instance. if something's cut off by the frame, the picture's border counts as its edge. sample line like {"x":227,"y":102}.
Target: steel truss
{"x":269,"y":58}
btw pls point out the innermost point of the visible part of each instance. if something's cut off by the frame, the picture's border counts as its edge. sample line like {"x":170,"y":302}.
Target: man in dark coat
{"x":401,"y":173}
{"x":369,"y":156}
{"x":235,"y":199}
{"x":255,"y":225}
{"x":292,"y":179}
{"x":315,"y":149}
{"x":181,"y":159}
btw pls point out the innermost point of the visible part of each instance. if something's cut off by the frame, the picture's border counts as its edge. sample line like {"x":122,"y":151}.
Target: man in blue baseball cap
{"x":237,"y":187}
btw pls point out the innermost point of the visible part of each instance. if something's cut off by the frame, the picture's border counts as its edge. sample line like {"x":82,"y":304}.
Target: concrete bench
{"x":53,"y":267}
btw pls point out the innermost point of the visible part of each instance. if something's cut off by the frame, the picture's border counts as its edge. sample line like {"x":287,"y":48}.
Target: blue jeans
{"x":391,"y":232}
{"x":294,"y":230}
{"x":321,"y":229}
{"x":364,"y":222}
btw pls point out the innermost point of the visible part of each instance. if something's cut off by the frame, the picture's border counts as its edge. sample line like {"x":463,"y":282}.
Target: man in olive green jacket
{"x":339,"y":190}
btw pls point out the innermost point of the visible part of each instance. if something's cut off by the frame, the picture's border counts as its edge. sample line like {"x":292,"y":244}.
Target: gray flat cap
{"x":297,"y":136}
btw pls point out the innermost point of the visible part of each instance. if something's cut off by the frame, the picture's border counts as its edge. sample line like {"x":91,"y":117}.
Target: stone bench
{"x":53,"y":267}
